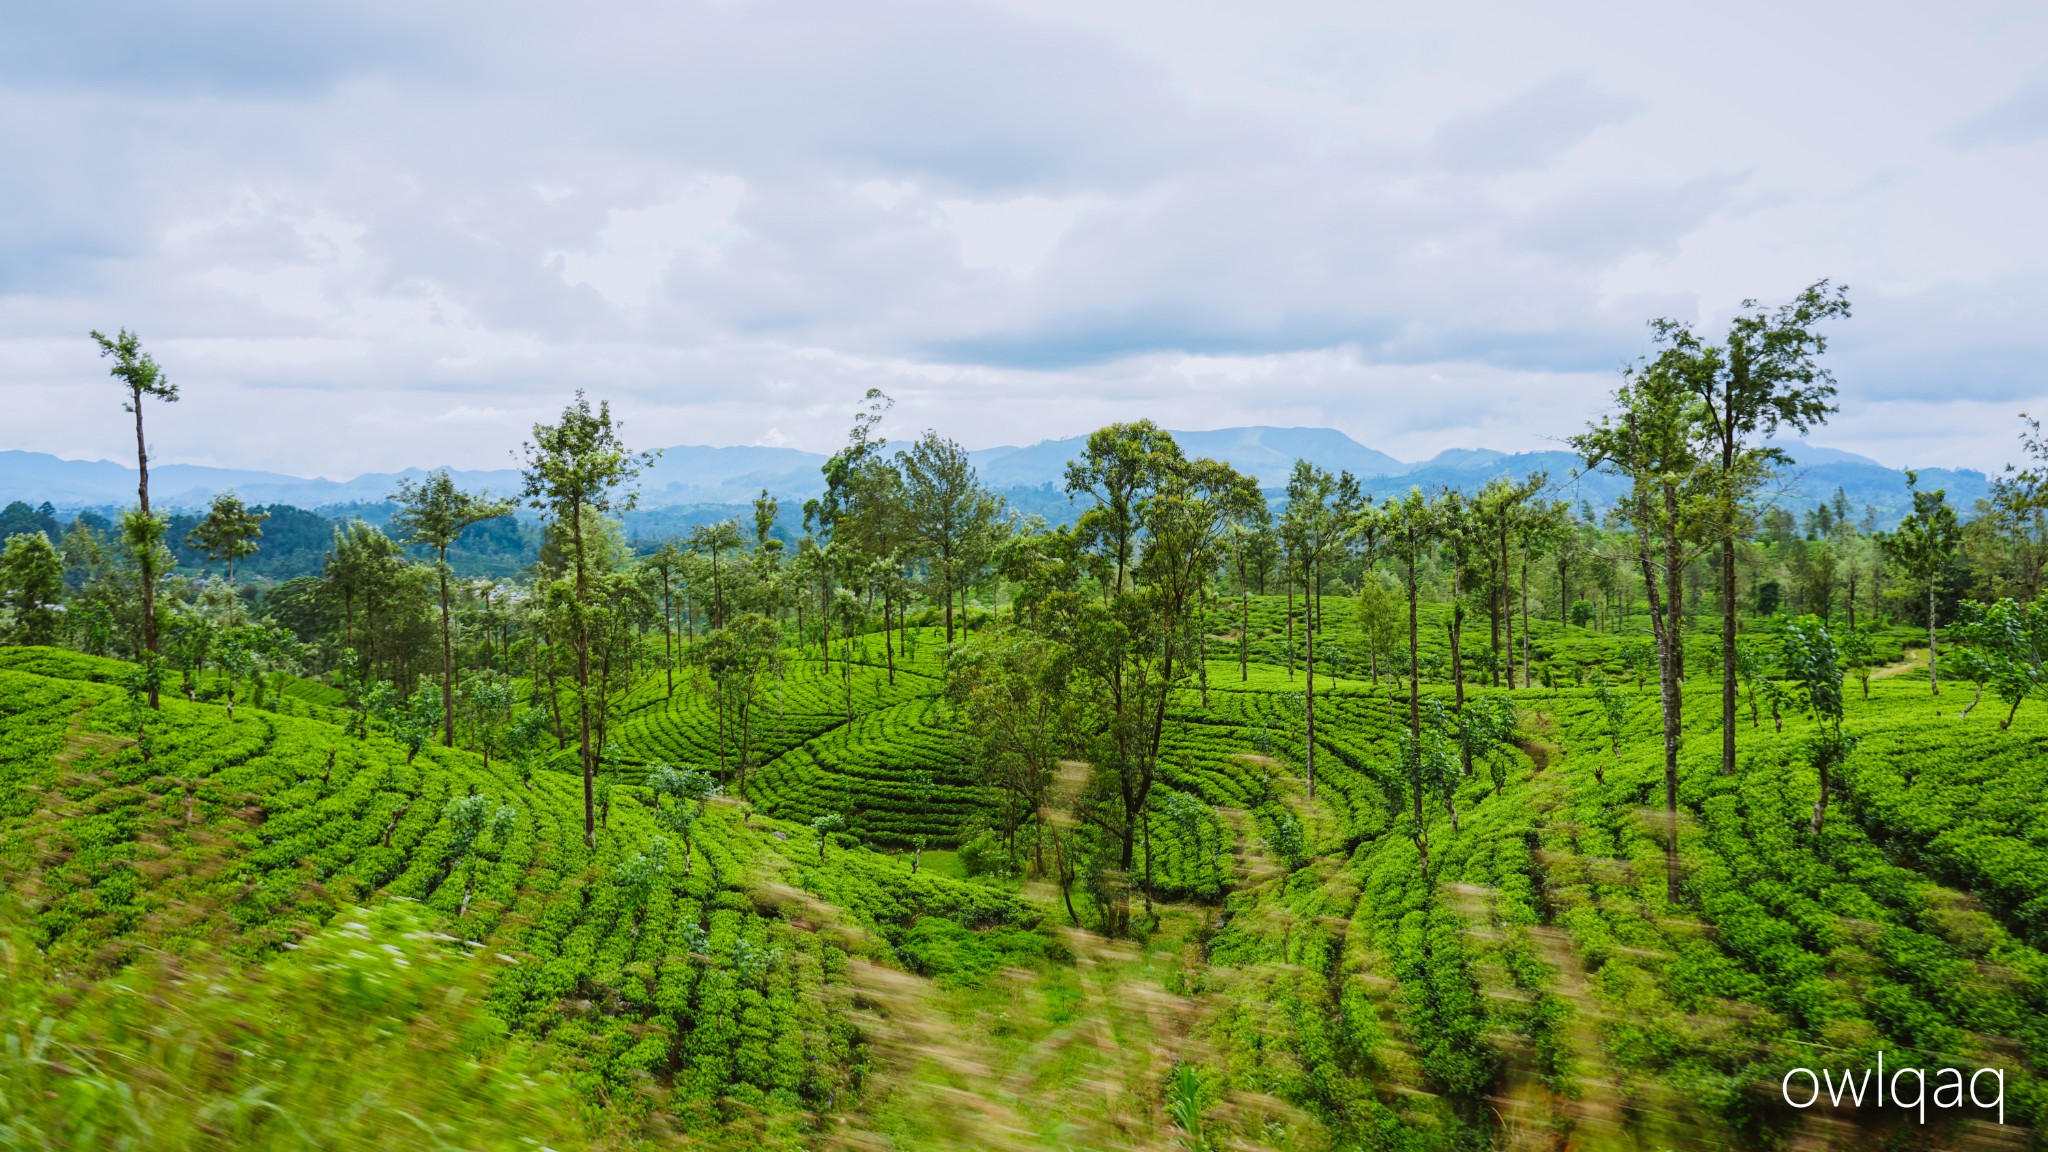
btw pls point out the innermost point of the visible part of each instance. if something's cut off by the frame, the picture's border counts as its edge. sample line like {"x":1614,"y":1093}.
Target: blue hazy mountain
{"x":702,"y":478}
{"x":1265,"y":453}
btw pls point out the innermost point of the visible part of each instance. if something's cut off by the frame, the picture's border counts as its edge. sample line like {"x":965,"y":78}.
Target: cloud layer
{"x":369,"y":235}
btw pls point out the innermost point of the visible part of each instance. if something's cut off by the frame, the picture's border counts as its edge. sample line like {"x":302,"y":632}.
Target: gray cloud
{"x":1530,"y":129}
{"x":373,"y":235}
{"x":2021,"y":118}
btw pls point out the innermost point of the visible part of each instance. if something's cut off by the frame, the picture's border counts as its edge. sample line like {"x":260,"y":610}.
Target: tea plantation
{"x":825,"y":957}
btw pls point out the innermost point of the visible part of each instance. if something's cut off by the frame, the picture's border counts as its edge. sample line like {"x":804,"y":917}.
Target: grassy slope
{"x":1541,"y":990}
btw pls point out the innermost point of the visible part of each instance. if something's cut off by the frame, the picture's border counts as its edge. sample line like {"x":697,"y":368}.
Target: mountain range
{"x":1031,"y":476}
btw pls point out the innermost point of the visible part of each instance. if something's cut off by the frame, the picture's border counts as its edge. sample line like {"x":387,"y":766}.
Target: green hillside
{"x":1536,"y":983}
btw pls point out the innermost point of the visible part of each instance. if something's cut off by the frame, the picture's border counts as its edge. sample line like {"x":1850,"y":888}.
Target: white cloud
{"x":342,"y":225}
{"x":1012,"y":235}
{"x":638,"y":244}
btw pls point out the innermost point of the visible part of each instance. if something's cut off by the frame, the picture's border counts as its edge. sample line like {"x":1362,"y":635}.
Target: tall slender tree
{"x":1409,"y":527}
{"x":1764,"y":377}
{"x":434,"y":514}
{"x":1317,"y":525}
{"x":140,"y":374}
{"x":1924,"y":545}
{"x":953,"y":517}
{"x":1651,"y":440}
{"x":574,"y":467}
{"x":665,"y":565}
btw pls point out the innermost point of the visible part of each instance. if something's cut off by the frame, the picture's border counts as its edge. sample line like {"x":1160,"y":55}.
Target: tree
{"x":1379,"y":617}
{"x":472,"y":820}
{"x":1859,"y":653}
{"x":1317,"y":526}
{"x":434,"y":514}
{"x":1429,"y":755}
{"x":685,"y":790}
{"x":1924,"y":545}
{"x":735,"y":657}
{"x":1251,"y":551}
{"x":140,"y":374}
{"x":1500,"y":513}
{"x":2007,"y":644}
{"x":576,"y":465}
{"x":228,"y":532}
{"x":1118,"y":466}
{"x":1650,"y":440}
{"x":950,"y":514}
{"x":1014,"y":694}
{"x":1486,"y":732}
{"x":666,"y":564}
{"x":31,"y":589}
{"x":714,"y":541}
{"x":1409,"y":527}
{"x":487,"y":698}
{"x":840,"y":502}
{"x":1764,"y":377}
{"x":1183,"y":520}
{"x":1814,"y":663}
{"x":1615,"y":704}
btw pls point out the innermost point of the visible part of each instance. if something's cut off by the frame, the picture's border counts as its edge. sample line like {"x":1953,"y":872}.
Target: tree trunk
{"x":888,"y":637}
{"x":1820,"y":802}
{"x":1309,"y":633}
{"x":146,"y":562}
{"x":1664,"y":626}
{"x":1415,"y":706}
{"x":1244,"y":627}
{"x":447,"y":658}
{"x":583,"y":683}
{"x":1290,"y":627}
{"x":1525,"y":619}
{"x":1728,"y":661}
{"x":1933,"y":655}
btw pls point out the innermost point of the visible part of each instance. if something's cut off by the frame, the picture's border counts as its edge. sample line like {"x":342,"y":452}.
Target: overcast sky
{"x":366,"y":235}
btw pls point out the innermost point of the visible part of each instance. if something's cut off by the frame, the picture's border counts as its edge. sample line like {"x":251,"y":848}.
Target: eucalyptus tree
{"x":228,"y":532}
{"x":357,"y":561}
{"x":434,"y":514}
{"x":2007,"y":649}
{"x":1118,"y":467}
{"x":1409,"y":527}
{"x":735,"y":658}
{"x":1813,"y":661}
{"x":1317,"y":525}
{"x":950,"y":514}
{"x":1614,"y":706}
{"x":1015,"y":695}
{"x":1250,"y":535}
{"x":665,"y":565}
{"x":575,"y":466}
{"x":1458,"y":536}
{"x":31,"y":589}
{"x":714,"y":541}
{"x":1502,"y":513}
{"x":1379,"y":618}
{"x":2007,"y":539}
{"x":142,"y":532}
{"x":1429,"y":757}
{"x":1765,"y":376}
{"x":1650,"y":439}
{"x":1924,"y":545}
{"x":825,"y":513}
